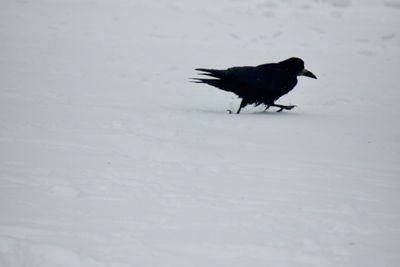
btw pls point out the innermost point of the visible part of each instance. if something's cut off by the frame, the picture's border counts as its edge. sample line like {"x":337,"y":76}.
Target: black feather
{"x":263,"y":84}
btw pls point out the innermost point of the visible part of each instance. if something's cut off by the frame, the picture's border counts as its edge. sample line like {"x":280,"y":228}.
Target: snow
{"x":110,"y":157}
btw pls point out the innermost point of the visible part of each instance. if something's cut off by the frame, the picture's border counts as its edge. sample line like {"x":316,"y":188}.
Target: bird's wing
{"x":262,"y":83}
{"x":267,"y":77}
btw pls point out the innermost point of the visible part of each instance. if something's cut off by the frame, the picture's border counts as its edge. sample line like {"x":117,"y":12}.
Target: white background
{"x":109,"y":156}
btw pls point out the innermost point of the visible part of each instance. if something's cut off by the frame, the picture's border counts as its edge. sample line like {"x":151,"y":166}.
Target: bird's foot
{"x":284,"y":107}
{"x":267,"y":107}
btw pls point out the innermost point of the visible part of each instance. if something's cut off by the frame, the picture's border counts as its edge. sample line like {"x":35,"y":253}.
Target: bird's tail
{"x":213,"y":82}
{"x":212,"y":72}
{"x":220,"y":79}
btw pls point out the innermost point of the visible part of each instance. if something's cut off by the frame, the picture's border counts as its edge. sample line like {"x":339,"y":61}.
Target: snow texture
{"x":110,"y":157}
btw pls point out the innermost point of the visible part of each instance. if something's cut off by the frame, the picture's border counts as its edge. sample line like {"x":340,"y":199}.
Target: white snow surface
{"x":109,"y":156}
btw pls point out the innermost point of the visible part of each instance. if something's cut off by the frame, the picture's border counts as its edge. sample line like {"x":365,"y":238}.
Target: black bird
{"x":263,"y":84}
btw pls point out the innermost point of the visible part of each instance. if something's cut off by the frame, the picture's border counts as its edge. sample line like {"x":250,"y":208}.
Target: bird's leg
{"x":242,"y":104}
{"x":267,"y":107}
{"x":282,"y":107}
{"x":237,"y":112}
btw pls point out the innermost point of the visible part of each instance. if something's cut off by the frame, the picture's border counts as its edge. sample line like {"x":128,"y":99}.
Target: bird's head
{"x":295,"y":66}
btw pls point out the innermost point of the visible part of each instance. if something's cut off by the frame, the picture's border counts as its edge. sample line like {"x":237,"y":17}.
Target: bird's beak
{"x":307,"y":73}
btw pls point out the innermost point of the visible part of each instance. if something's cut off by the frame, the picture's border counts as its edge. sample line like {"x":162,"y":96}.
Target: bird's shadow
{"x":252,"y":112}
{"x":272,"y":113}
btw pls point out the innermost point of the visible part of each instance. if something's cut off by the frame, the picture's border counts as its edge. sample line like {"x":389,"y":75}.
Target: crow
{"x":263,"y":84}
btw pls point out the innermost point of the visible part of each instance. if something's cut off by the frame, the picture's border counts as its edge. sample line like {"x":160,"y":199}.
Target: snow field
{"x":110,"y":157}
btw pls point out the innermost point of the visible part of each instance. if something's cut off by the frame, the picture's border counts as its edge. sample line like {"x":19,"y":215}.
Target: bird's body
{"x":263,"y":84}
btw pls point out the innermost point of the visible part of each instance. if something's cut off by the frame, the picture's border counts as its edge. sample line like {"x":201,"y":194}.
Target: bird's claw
{"x":285,"y":107}
{"x":290,"y":107}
